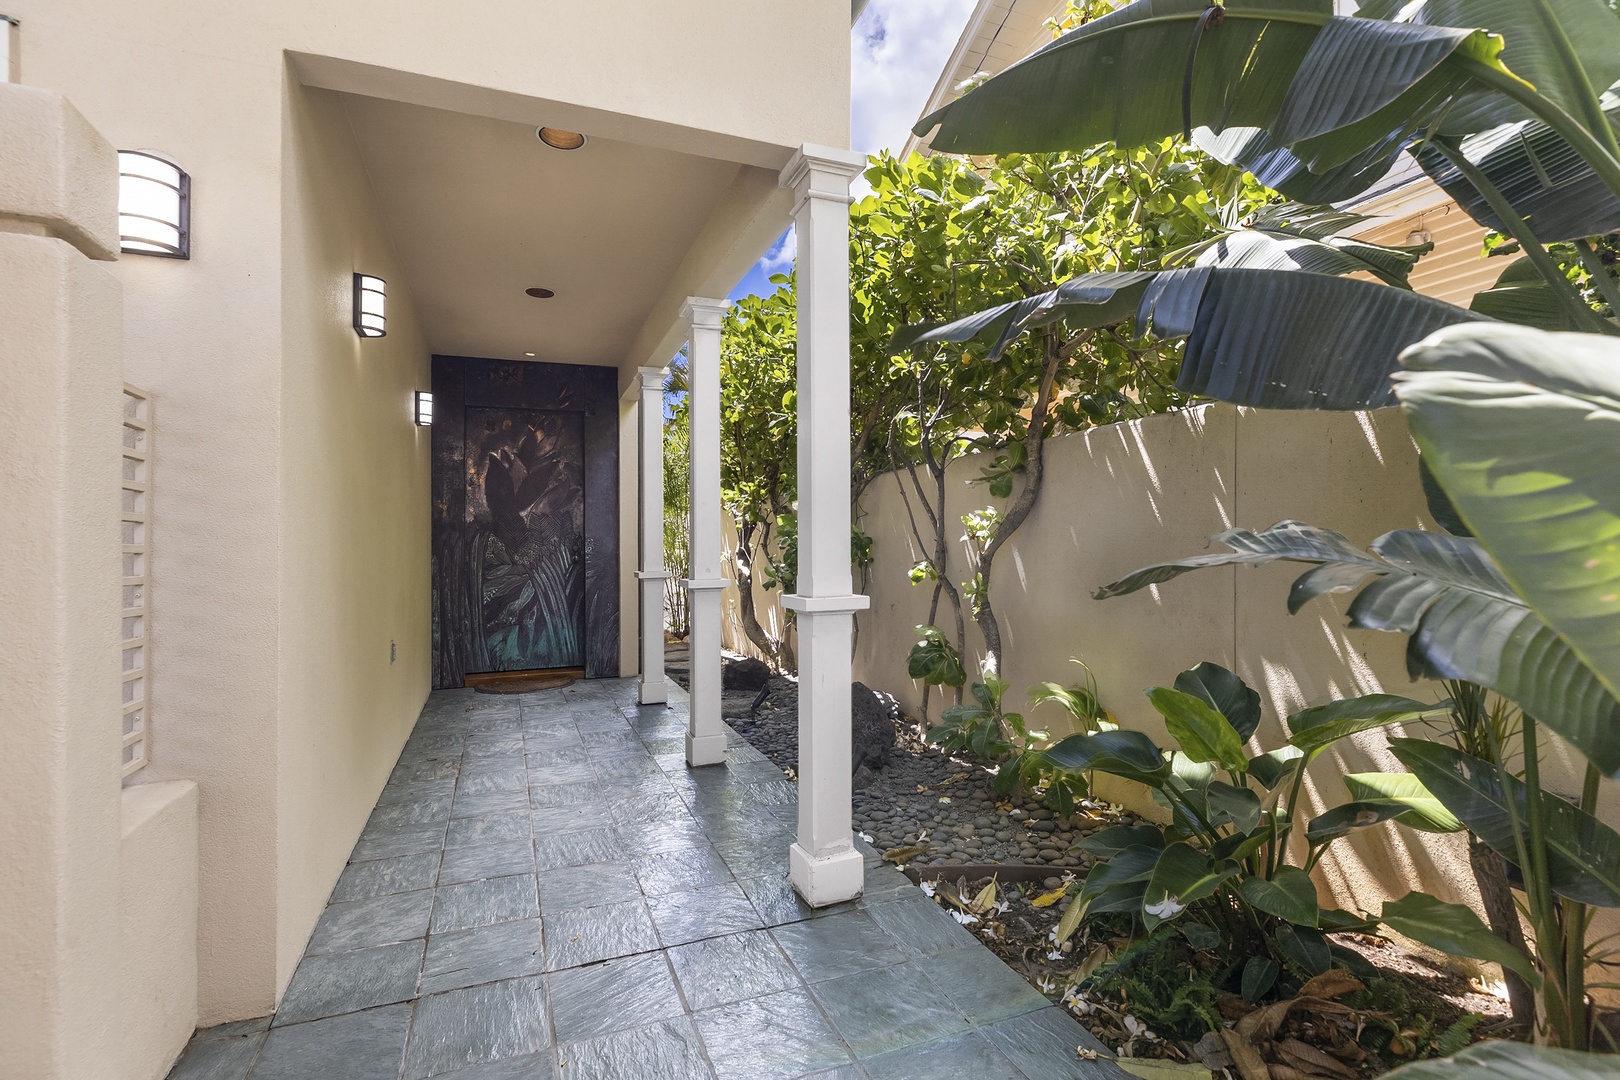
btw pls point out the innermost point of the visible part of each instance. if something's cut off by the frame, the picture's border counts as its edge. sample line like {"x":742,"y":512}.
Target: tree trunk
{"x":1503,"y":916}
{"x":984,"y":613}
{"x":745,"y":591}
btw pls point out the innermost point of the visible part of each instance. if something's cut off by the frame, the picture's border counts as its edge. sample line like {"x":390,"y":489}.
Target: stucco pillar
{"x":651,"y":688}
{"x":61,"y":421}
{"x":705,"y":735}
{"x":824,"y":864}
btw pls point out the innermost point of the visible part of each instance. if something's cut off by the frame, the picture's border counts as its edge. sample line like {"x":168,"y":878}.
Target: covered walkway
{"x":546,"y":889}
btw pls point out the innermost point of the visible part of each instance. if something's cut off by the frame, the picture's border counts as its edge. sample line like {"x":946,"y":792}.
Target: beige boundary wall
{"x":1121,"y":497}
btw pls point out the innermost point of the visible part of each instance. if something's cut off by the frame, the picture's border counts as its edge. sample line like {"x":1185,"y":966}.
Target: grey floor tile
{"x":888,"y":1009}
{"x":425,"y":768}
{"x":585,"y":935}
{"x":553,"y":851}
{"x":488,"y":829}
{"x":417,"y":811}
{"x":629,"y":768}
{"x":477,"y":1025}
{"x":485,"y":954}
{"x":234,"y":1027}
{"x":591,"y":885}
{"x":852,"y":1071}
{"x":845,"y":944}
{"x":360,"y":1046}
{"x":678,"y":871}
{"x":487,"y":781}
{"x":563,"y":773}
{"x":718,"y":971}
{"x":1043,"y":1043}
{"x":406,"y":873}
{"x":920,"y":926}
{"x":708,"y":912}
{"x":477,"y":861}
{"x":218,"y":1059}
{"x":749,"y":858}
{"x":770,"y":1038}
{"x":668,"y":1050}
{"x":675,"y":834}
{"x":986,"y":989}
{"x":537,"y":1066}
{"x":590,"y":1001}
{"x":555,"y":819}
{"x":477,"y":804}
{"x":773,"y":897}
{"x":361,"y":924}
{"x":394,"y":841}
{"x":544,"y":756}
{"x":645,"y":809}
{"x":884,"y":883}
{"x":486,"y":902}
{"x":970,"y":1057}
{"x":334,"y":983}
{"x":544,"y":796}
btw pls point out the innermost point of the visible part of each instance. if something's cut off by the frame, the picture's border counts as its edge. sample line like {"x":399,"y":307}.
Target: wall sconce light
{"x":424,"y":409}
{"x":370,"y":293}
{"x":154,"y":206}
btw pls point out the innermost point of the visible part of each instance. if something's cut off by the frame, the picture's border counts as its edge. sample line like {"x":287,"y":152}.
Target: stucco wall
{"x":158,"y":921}
{"x":1121,"y":497}
{"x":353,"y":540}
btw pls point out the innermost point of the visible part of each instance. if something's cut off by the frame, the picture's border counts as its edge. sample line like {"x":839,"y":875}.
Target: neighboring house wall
{"x":352,"y":644}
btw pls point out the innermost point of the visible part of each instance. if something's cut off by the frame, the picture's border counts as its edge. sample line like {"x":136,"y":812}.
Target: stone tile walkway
{"x":545,"y":891}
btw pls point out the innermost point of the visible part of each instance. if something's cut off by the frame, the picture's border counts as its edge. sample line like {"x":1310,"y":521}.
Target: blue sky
{"x":896,"y":52}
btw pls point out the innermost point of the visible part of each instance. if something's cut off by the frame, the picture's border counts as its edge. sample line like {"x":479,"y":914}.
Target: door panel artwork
{"x":525,"y":518}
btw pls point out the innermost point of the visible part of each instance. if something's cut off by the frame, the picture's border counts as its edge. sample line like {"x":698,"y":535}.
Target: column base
{"x":828,"y":879}
{"x":651,"y":691}
{"x":705,"y":749}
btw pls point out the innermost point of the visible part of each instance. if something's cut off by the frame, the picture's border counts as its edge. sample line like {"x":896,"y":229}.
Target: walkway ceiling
{"x":480,"y":210}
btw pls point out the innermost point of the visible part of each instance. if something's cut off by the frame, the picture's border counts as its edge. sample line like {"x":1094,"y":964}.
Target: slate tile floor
{"x":545,"y":891}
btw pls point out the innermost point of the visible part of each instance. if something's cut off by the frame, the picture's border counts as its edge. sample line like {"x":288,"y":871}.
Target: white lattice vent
{"x":137,"y":575}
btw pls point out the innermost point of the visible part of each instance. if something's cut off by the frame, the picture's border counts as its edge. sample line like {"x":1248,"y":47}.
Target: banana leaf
{"x":1282,"y":339}
{"x":1315,"y":729}
{"x":1454,"y":929}
{"x":1427,"y":813}
{"x":1463,"y":619}
{"x":1289,"y":236}
{"x":1583,"y":854}
{"x":1522,"y":296}
{"x":1523,"y":430}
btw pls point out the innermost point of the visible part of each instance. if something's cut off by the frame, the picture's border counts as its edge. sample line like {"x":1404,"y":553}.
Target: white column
{"x":825,"y":866}
{"x":651,"y":689}
{"x":705,"y":735}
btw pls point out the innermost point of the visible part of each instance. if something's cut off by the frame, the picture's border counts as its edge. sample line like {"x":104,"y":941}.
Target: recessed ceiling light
{"x":558,"y":139}
{"x":528,"y":354}
{"x":540,"y":294}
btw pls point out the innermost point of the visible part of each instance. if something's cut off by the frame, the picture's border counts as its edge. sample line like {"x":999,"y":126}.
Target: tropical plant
{"x":1500,"y":1060}
{"x":1520,"y":428}
{"x":1500,"y":100}
{"x":1225,"y":862}
{"x":677,"y":500}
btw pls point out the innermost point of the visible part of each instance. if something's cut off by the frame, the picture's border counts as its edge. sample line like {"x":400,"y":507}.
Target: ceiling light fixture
{"x":370,"y":294}
{"x":558,"y":139}
{"x":528,"y":354}
{"x":540,"y":294}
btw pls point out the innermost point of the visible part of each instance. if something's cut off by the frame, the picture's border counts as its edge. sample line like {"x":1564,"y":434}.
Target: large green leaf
{"x":1132,"y":865}
{"x":1116,"y":838}
{"x":1275,"y":766}
{"x":1130,"y":754}
{"x":1564,"y":48}
{"x":1503,"y":1060}
{"x":1415,"y":807}
{"x":1289,"y":236}
{"x":1225,"y":693}
{"x":1455,"y":930}
{"x":1523,"y":430}
{"x":1425,"y":811}
{"x":1289,"y":894}
{"x":1202,"y":733}
{"x":1108,"y":81}
{"x":1583,"y":854}
{"x":1464,"y":620}
{"x":1182,"y":877}
{"x":1521,"y":295}
{"x":1086,"y":300}
{"x":1315,"y":729}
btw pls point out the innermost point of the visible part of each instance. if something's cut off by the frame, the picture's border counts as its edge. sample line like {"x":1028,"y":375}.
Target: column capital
{"x":822,"y":172}
{"x":651,"y":378}
{"x":704,"y":311}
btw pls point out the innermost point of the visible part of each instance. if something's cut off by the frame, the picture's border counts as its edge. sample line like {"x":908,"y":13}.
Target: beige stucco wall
{"x":158,"y":922}
{"x":60,"y":429}
{"x":1124,"y":496}
{"x":354,"y":645}
{"x":290,"y":525}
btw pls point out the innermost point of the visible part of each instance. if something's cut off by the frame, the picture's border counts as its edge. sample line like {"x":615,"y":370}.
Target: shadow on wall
{"x":1121,"y":497}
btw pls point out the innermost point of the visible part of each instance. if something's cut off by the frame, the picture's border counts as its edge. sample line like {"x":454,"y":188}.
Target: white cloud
{"x":779,"y":260}
{"x":897,"y":51}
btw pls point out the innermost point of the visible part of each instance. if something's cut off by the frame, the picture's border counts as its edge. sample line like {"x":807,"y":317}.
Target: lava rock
{"x":745,"y":674}
{"x":872,"y":716}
